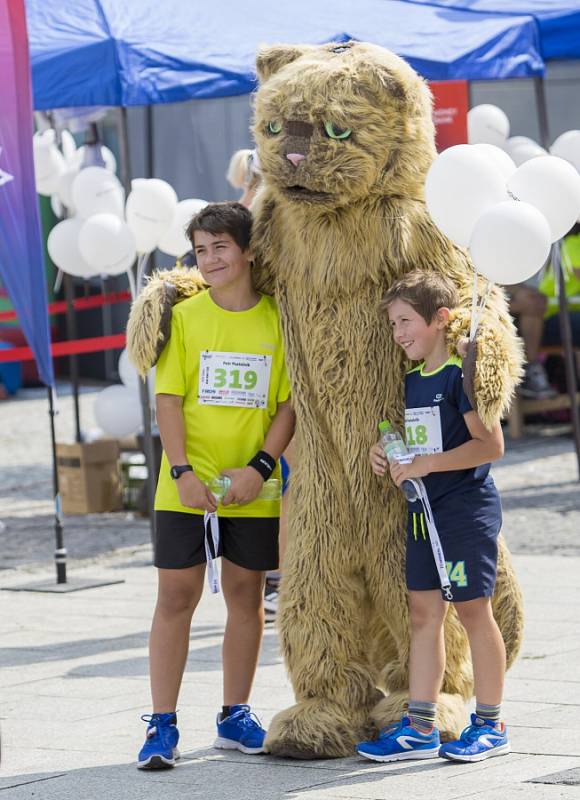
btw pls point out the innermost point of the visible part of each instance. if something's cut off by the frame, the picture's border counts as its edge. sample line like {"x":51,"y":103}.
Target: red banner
{"x":450,"y":107}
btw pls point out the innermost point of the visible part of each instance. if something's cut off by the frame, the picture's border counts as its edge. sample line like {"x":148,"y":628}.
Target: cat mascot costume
{"x":345,"y":139}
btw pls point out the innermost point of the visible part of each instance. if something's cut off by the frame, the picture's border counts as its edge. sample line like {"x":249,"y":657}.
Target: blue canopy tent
{"x":558,"y":21}
{"x":127,"y":53}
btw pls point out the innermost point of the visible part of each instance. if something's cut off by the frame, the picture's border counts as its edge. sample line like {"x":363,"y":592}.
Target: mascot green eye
{"x":335,"y":132}
{"x":274,"y":127}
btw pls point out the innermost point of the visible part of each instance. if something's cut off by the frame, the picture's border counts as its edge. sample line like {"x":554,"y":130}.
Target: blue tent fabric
{"x":558,"y":20}
{"x":141,"y":52}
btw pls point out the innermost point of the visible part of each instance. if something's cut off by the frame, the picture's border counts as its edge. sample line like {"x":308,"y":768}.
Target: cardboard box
{"x":89,"y":477}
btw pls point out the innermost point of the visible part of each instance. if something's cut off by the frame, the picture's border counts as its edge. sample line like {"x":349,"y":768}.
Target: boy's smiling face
{"x":417,"y":337}
{"x":221,"y":260}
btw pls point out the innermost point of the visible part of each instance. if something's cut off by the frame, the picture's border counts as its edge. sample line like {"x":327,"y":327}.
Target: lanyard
{"x":212,"y":530}
{"x":436,"y":545}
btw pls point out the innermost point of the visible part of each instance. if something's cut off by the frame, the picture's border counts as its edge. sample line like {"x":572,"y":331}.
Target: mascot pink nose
{"x":295,"y":158}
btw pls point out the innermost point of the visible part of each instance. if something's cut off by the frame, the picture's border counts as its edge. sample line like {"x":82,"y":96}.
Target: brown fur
{"x":329,"y":238}
{"x":149,"y":322}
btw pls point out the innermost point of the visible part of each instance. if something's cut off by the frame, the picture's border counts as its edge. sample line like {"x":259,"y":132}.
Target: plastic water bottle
{"x":395,"y":449}
{"x":271,"y":490}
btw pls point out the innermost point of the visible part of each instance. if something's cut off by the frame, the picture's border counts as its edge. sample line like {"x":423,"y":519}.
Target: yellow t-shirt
{"x":229,"y":368}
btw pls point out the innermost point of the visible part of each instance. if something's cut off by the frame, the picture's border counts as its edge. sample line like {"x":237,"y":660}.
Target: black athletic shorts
{"x":468,"y":525}
{"x":250,"y":542}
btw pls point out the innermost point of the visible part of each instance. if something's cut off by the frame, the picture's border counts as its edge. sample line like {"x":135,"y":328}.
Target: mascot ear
{"x":272,"y":59}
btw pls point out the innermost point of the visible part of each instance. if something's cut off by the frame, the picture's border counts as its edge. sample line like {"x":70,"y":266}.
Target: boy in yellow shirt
{"x":223,"y":408}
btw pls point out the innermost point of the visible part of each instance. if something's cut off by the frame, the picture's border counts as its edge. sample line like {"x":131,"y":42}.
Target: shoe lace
{"x":156,"y":726}
{"x":471,"y":733}
{"x":246,"y":718}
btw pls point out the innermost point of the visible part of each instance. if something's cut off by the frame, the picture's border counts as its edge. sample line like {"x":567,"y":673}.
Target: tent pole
{"x":71,"y":329}
{"x":60,"y":552}
{"x":143,"y":384}
{"x":564,"y":314}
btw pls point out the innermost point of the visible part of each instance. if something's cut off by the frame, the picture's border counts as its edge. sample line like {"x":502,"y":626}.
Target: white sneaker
{"x":271,"y":602}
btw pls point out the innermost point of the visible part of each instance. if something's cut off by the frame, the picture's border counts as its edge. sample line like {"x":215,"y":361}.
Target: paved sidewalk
{"x":73,"y":668}
{"x":74,"y":682}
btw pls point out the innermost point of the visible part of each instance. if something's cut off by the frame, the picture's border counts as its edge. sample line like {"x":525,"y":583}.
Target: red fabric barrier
{"x":96,"y":344}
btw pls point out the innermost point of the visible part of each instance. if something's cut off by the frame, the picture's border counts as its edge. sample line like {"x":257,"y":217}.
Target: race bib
{"x":234,"y":379}
{"x":423,"y":430}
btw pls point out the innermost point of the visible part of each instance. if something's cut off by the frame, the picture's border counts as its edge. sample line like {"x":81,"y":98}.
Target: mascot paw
{"x":315,"y":728}
{"x":451,"y":713}
{"x":468,"y":351}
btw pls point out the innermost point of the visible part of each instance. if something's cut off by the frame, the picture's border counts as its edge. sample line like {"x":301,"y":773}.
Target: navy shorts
{"x":249,"y":542}
{"x":468,"y":525}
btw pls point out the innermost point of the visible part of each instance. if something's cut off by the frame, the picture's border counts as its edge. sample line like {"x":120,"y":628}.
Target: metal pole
{"x":564,"y":316}
{"x":60,"y":552}
{"x":143,"y":386}
{"x":566,"y":339}
{"x":71,"y":331}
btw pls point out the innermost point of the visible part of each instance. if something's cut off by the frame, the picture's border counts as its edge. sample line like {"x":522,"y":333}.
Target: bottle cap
{"x":385,"y":426}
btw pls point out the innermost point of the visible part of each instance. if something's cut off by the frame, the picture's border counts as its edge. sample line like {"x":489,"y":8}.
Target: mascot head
{"x":341,"y":122}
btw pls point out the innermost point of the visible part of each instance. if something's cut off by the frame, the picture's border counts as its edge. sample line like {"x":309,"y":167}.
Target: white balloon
{"x":118,"y":411}
{"x":131,"y":378}
{"x":461,"y":184}
{"x":69,"y":146}
{"x":567,"y":146}
{"x":127,"y":372}
{"x":510,"y":242}
{"x":516,"y":141}
{"x":525,"y":152}
{"x":57,"y":206}
{"x":64,"y":188}
{"x":107,"y":244}
{"x":487,"y":124}
{"x":97,"y":191}
{"x":552,"y":185}
{"x":150,"y":208}
{"x":174,"y":242}
{"x":499,"y":157}
{"x":108,"y":158}
{"x":63,"y":248}
{"x":49,"y":162}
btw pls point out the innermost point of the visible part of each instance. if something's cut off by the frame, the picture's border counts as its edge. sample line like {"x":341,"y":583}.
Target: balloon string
{"x":132,"y":284}
{"x":141,"y":267}
{"x":474,"y":309}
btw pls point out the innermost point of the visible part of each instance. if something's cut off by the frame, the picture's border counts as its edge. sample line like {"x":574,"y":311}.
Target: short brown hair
{"x":231,"y":218}
{"x":426,"y":292}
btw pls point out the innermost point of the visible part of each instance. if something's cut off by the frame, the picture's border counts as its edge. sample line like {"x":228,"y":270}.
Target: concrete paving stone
{"x":61,"y":686}
{"x":432,"y":779}
{"x":541,"y":690}
{"x":41,"y":709}
{"x":544,"y":665}
{"x":554,"y":716}
{"x":567,"y":777}
{"x":558,"y":741}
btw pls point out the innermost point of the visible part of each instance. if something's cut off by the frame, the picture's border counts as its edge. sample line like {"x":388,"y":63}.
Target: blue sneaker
{"x":478,"y":741}
{"x":240,"y":731}
{"x":401,"y":742}
{"x":160,"y":748}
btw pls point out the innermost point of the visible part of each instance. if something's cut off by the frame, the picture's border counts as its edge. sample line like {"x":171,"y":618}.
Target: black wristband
{"x":263,"y":463}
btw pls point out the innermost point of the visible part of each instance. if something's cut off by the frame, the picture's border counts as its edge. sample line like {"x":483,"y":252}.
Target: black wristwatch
{"x":176,"y":472}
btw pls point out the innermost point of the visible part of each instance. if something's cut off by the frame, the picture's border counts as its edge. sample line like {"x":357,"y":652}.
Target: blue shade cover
{"x":141,"y":52}
{"x":558,"y":21}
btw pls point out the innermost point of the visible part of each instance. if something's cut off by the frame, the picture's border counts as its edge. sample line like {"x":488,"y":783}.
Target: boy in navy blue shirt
{"x":452,"y":454}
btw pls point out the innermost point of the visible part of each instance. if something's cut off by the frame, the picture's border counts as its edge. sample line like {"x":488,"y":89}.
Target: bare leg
{"x":243,"y":592}
{"x":178,"y":594}
{"x":529,"y":304}
{"x":427,"y":654}
{"x":487,"y":649}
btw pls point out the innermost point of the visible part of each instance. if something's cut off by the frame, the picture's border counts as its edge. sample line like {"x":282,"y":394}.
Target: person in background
{"x":244,"y":173}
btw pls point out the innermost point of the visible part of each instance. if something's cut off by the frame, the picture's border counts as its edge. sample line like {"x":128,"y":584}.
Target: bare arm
{"x":484,"y":446}
{"x":247,"y":482}
{"x":192,"y":492}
